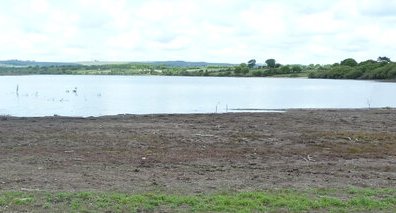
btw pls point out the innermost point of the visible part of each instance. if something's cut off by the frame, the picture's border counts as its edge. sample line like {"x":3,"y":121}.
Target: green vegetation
{"x":382,"y":68}
{"x":322,"y":200}
{"x":251,"y":63}
{"x":349,"y":62}
{"x":118,"y":69}
{"x":270,"y":63}
{"x":244,"y":69}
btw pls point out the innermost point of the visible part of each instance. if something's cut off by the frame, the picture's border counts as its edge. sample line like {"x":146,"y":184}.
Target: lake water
{"x":46,"y":95}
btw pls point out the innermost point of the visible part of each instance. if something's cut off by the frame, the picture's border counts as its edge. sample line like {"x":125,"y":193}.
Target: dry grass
{"x":364,"y":144}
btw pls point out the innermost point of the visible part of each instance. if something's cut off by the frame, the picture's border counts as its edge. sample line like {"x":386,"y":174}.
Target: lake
{"x":82,"y":95}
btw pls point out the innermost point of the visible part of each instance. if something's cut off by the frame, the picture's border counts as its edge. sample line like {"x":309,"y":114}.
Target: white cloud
{"x":39,"y":6}
{"x":204,"y":30}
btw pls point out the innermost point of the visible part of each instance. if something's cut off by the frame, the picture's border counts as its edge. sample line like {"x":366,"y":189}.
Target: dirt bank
{"x":200,"y":153}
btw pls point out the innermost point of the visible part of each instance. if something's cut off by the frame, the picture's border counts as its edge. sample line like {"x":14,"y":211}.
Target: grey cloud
{"x":166,"y":38}
{"x":308,"y":7}
{"x":352,"y":47}
{"x":355,"y":45}
{"x":379,"y":8}
{"x":87,"y":22}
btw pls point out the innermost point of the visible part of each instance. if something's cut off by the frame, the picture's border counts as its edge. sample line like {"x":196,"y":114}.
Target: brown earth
{"x":200,"y":153}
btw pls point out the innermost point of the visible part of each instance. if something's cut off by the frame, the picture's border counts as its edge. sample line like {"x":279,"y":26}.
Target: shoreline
{"x":232,"y":111}
{"x":194,"y":76}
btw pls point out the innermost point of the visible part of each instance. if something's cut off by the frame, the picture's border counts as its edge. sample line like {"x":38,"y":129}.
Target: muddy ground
{"x":200,"y":153}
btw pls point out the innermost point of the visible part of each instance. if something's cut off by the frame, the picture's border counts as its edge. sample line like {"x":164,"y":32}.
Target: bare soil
{"x":200,"y":153}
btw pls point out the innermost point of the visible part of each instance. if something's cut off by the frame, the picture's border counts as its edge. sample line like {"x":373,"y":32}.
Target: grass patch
{"x":333,"y":200}
{"x":292,"y":75}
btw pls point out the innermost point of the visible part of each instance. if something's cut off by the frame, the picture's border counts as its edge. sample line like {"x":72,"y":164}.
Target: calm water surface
{"x":45,"y":95}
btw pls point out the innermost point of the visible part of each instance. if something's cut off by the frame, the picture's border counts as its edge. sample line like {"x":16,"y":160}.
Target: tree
{"x":349,"y":62}
{"x":251,"y":63}
{"x":296,"y":68}
{"x":285,"y":69}
{"x":370,"y":61}
{"x":241,"y":69}
{"x":384,"y":59}
{"x":270,"y":62}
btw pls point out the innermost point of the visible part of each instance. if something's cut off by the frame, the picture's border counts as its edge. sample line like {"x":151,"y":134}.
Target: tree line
{"x":382,"y":68}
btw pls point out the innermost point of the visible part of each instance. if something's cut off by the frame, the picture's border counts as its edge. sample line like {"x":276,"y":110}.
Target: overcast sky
{"x":299,"y":31}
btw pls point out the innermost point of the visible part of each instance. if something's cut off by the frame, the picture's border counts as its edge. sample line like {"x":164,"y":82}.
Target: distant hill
{"x":99,"y":63}
{"x":20,"y":63}
{"x":166,"y":63}
{"x":185,"y":63}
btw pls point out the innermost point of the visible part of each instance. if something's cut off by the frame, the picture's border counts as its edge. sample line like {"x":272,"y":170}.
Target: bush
{"x":365,"y":70}
{"x":296,"y":69}
{"x":349,"y":62}
{"x":353,"y":74}
{"x":258,"y":73}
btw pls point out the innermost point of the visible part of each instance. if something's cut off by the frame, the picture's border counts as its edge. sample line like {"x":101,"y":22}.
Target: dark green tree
{"x":270,"y":62}
{"x":251,"y":63}
{"x":349,"y":62}
{"x":384,"y":59}
{"x":370,"y":61}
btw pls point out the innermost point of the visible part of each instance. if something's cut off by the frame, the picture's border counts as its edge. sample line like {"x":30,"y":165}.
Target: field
{"x":300,"y":160}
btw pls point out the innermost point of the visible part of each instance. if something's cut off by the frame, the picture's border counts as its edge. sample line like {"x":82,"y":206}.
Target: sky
{"x":230,"y":31}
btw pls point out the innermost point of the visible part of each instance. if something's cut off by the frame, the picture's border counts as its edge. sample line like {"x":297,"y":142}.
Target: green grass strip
{"x":331,"y":200}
